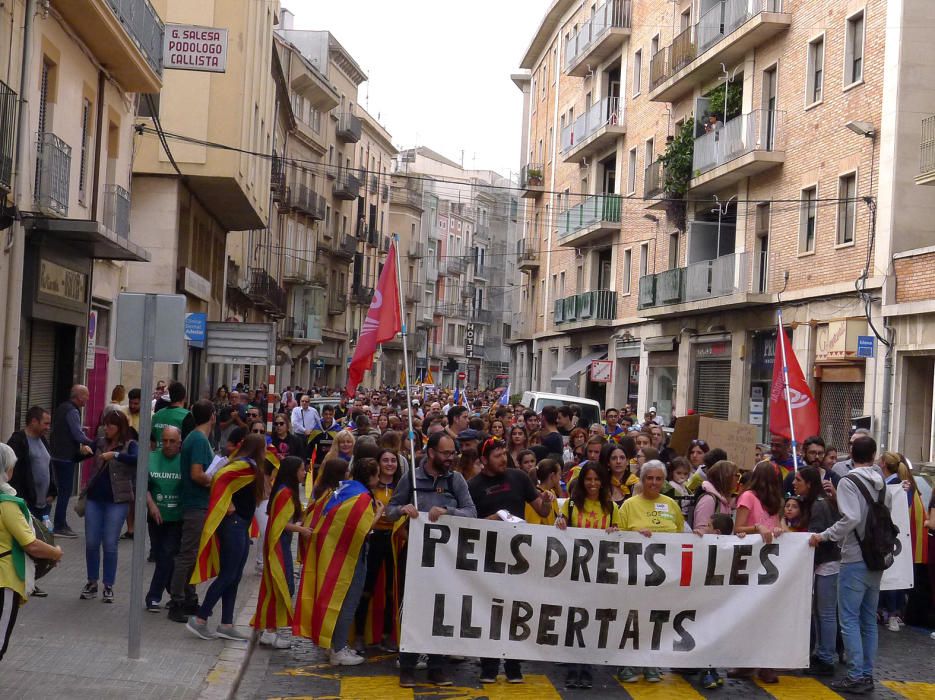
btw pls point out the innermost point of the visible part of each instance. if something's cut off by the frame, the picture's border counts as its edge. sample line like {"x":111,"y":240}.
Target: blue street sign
{"x":195,"y":328}
{"x":865,"y":345}
{"x":319,"y":364}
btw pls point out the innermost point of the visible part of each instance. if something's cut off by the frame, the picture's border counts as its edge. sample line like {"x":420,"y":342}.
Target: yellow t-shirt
{"x":533,"y":518}
{"x":13,"y":526}
{"x":591,"y":515}
{"x":660,"y":515}
{"x":383,"y":495}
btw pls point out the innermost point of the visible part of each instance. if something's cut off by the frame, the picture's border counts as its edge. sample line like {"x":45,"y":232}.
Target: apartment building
{"x":71,"y":80}
{"x":406,"y":221}
{"x":689,"y":168}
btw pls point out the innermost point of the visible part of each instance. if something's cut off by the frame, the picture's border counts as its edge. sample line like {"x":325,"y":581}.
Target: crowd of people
{"x":324,"y":496}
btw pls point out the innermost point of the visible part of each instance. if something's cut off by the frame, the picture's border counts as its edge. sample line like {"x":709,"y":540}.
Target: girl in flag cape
{"x":277,"y":585}
{"x":335,"y":565}
{"x":236,"y":489}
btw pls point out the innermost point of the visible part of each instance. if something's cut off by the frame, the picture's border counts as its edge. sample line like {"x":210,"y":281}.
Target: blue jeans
{"x":164,"y":540}
{"x":342,"y":628}
{"x":102,"y":524}
{"x":64,"y":474}
{"x":234,"y":543}
{"x":285,"y":541}
{"x":826,"y":617}
{"x":858,"y":595}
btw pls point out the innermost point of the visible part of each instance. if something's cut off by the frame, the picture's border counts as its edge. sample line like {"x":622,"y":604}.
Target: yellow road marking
{"x":371,"y":687}
{"x":536,"y":687}
{"x":672,"y":685}
{"x":912,"y":691}
{"x":798,"y":688}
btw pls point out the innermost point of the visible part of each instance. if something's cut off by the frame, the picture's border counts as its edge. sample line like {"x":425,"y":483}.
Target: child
{"x":679,"y":471}
{"x":792,"y":520}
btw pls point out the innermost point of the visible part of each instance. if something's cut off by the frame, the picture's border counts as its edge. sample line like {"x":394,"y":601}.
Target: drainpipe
{"x":16,"y":246}
{"x":885,"y":411}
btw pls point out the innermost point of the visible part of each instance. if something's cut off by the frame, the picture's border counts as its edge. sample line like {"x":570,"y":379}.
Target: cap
{"x":469,"y":434}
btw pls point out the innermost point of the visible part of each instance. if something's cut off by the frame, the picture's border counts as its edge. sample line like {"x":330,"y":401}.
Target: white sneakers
{"x":345,"y":657}
{"x":894,"y":623}
{"x":271,"y":639}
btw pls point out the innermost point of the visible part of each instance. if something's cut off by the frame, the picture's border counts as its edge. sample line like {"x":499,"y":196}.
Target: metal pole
{"x":270,"y":391}
{"x":142,"y":477}
{"x":785,"y":379}
{"x":404,"y":334}
{"x":886,"y":409}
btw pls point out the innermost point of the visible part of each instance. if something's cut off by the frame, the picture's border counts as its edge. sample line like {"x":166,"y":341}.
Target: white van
{"x":537,"y":400}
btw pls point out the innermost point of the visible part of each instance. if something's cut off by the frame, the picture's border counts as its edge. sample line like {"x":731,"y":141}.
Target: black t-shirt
{"x":510,"y":491}
{"x":291,"y":445}
{"x":244,"y":502}
{"x":554,"y":443}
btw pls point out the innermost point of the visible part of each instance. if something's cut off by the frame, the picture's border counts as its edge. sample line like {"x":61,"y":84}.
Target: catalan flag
{"x":386,"y":590}
{"x":226,"y":483}
{"x":338,"y":537}
{"x":274,"y":603}
{"x":917,"y":529}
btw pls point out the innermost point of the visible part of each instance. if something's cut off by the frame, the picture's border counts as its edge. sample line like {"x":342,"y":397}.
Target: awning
{"x":578,"y":366}
{"x":90,"y":237}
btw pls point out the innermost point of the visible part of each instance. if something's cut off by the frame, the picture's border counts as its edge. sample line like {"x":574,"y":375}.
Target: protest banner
{"x":513,"y":590}
{"x":899,"y":576}
{"x":738,"y":440}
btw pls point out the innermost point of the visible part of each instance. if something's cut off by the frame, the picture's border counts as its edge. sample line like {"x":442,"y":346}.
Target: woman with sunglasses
{"x":286,"y":444}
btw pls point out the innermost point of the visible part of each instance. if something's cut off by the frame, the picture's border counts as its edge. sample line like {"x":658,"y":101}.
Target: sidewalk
{"x":63,"y":647}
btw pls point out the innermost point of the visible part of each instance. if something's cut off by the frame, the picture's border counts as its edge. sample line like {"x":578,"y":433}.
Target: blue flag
{"x":505,"y":396}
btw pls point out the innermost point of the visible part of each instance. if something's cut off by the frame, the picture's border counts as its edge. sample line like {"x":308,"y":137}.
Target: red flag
{"x":382,"y":324}
{"x":804,"y":409}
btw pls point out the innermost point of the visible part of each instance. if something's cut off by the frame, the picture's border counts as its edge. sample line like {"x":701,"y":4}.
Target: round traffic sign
{"x":462,"y":375}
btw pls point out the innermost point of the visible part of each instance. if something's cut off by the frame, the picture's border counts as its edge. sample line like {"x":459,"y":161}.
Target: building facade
{"x":692,"y":167}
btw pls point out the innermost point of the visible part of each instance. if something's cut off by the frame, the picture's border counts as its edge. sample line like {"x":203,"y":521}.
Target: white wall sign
{"x":190,"y":47}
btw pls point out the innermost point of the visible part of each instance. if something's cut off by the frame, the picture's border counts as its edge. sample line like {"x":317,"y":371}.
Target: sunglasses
{"x":279,"y":422}
{"x":258,"y":431}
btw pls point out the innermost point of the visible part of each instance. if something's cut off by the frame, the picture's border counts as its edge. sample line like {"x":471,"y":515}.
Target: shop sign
{"x":602,"y":371}
{"x":92,"y":340}
{"x":708,"y":351}
{"x":195,"y":284}
{"x":62,"y":282}
{"x":837,"y":340}
{"x":190,"y":47}
{"x":469,"y":340}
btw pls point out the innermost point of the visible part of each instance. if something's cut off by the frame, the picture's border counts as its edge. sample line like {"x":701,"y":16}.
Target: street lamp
{"x":862,"y":128}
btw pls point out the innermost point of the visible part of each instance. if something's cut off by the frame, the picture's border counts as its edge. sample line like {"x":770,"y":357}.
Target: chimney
{"x":285,"y":19}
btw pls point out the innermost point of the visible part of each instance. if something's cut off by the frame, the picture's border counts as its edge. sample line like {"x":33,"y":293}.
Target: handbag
{"x":82,"y":503}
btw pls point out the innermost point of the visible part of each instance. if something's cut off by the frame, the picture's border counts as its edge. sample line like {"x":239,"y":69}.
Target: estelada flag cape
{"x":386,"y":591}
{"x":337,"y":539}
{"x":274,"y":603}
{"x":226,"y":483}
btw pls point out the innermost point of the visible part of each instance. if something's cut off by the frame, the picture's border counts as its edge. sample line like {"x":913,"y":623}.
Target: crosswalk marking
{"x":798,"y":688}
{"x":535,"y":688}
{"x":383,"y":687}
{"x":912,"y":691}
{"x":672,"y":685}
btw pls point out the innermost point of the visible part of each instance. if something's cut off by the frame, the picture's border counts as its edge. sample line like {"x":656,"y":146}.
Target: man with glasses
{"x":613,"y":429}
{"x":305,"y":419}
{"x":441,"y":492}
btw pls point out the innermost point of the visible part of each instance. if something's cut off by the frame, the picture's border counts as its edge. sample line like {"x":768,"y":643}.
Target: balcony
{"x":296,"y":270}
{"x":277,"y":177}
{"x":346,"y":185}
{"x":744,"y":146}
{"x":586,"y":310}
{"x":266,"y":293}
{"x":654,"y":180}
{"x":527,"y":257}
{"x":455,"y":265}
{"x":724,"y":34}
{"x":345,"y":247}
{"x":53,"y":174}
{"x":8,"y":105}
{"x":414,"y":293}
{"x":407,"y":195}
{"x":318,"y":276}
{"x":302,"y":331}
{"x":362,"y":296}
{"x":599,"y":38}
{"x":481,"y":272}
{"x":125,"y":36}
{"x":337,"y":303}
{"x":384,"y":193}
{"x":521,"y":327}
{"x":431,"y":270}
{"x":416,"y":250}
{"x":349,"y":127}
{"x":373,"y":236}
{"x":926,"y":174}
{"x":722,"y":283}
{"x":485,"y":316}
{"x":594,"y":218}
{"x":117,"y":210}
{"x":594,"y":131}
{"x":532,"y":180}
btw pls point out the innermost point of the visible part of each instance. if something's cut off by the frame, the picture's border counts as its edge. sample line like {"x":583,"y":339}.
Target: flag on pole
{"x":382,"y":324}
{"x":505,"y":396}
{"x":801,"y":404}
{"x":457,"y":396}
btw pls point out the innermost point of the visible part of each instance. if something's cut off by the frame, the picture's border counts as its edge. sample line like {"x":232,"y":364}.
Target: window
{"x":808,"y":215}
{"x":534,"y":93}
{"x":85,"y":145}
{"x":854,"y":49}
{"x":631,"y":171}
{"x":561,"y":283}
{"x":673,"y":250}
{"x":644,"y":259}
{"x":637,"y":71}
{"x":654,"y":46}
{"x":847,"y":208}
{"x":816,"y":72}
{"x":627,"y":269}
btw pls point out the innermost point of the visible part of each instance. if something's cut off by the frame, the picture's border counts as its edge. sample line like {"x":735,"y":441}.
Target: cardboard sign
{"x":738,"y":440}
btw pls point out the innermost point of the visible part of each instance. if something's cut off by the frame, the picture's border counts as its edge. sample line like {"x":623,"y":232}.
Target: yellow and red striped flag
{"x":274,"y":602}
{"x":339,"y":530}
{"x":226,"y":483}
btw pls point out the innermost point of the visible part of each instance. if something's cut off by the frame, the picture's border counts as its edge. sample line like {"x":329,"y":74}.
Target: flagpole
{"x":785,"y":379}
{"x":404,"y":333}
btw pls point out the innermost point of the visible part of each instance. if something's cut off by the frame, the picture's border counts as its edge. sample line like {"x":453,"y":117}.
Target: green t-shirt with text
{"x":170,"y":415}
{"x":165,"y":485}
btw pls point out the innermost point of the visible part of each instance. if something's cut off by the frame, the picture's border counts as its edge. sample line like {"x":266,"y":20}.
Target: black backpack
{"x":880,"y":541}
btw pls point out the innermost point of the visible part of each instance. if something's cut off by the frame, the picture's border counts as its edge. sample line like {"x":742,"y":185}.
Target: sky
{"x":439,"y":71}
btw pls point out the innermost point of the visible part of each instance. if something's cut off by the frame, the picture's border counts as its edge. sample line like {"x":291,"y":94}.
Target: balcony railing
{"x":117,"y":210}
{"x":482,"y":315}
{"x":597,"y":208}
{"x":927,"y":155}
{"x":532,"y":176}
{"x":266,"y":292}
{"x":349,"y":127}
{"x":613,"y":13}
{"x":8,"y":102}
{"x":726,"y":17}
{"x":362,"y":296}
{"x":143,"y":25}
{"x":606,"y":112}
{"x":307,"y":328}
{"x":672,"y":59}
{"x":414,"y":292}
{"x":346,"y":186}
{"x":596,"y":305}
{"x":527,"y":256}
{"x":52,"y":178}
{"x":759,"y":130}
{"x":416,"y":250}
{"x":406,"y":195}
{"x":346,"y":247}
{"x":654,"y":179}
{"x":337,"y":303}
{"x":431,"y":270}
{"x":708,"y":279}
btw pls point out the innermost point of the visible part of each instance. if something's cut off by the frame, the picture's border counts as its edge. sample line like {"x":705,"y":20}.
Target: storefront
{"x":711,"y":378}
{"x":627,"y":374}
{"x":663,"y":371}
{"x":761,"y":380}
{"x":840,"y":378}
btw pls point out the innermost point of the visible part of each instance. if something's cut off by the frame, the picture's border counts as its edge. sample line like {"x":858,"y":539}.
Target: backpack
{"x":880,"y":541}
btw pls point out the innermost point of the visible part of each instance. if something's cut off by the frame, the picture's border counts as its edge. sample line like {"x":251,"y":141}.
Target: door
{"x":712,"y":388}
{"x":769,"y":107}
{"x":97,"y":388}
{"x":761,"y":250}
{"x":605,"y":270}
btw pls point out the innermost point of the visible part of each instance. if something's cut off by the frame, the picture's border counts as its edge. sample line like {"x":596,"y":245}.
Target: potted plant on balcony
{"x":534,"y":177}
{"x":677,"y":169}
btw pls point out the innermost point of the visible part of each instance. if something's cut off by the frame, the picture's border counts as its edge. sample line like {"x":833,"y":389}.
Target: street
{"x":905,"y":669}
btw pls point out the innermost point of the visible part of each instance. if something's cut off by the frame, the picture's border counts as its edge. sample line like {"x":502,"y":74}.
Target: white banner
{"x":899,"y":576}
{"x":520,"y":591}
